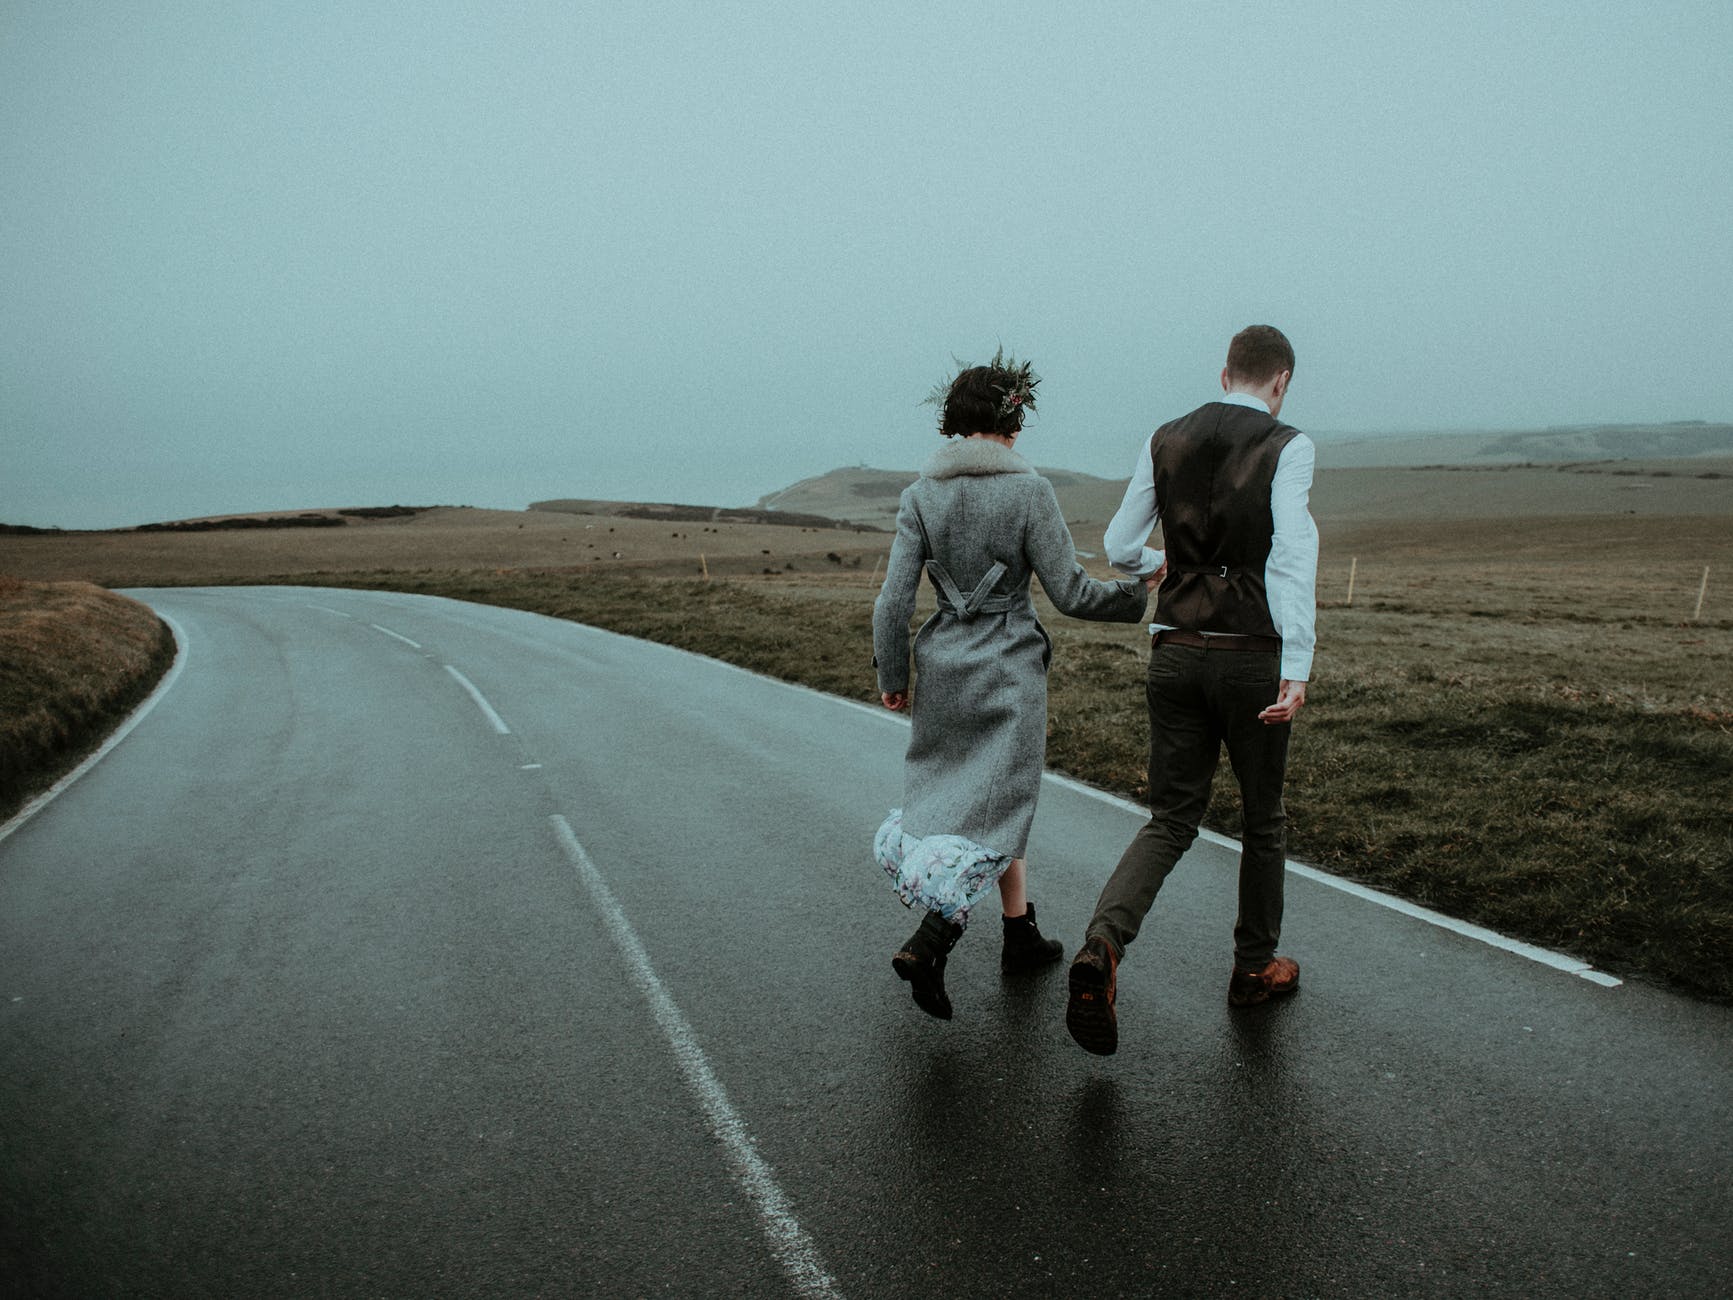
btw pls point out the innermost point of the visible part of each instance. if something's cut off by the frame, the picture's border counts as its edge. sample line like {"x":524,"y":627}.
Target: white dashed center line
{"x":481,"y":701}
{"x":789,"y":1242}
{"x":388,"y":632}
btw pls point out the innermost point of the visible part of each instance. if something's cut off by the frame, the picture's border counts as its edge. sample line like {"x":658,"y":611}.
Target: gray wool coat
{"x":978,"y":522}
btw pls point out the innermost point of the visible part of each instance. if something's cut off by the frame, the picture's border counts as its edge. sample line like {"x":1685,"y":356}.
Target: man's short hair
{"x":1259,"y":353}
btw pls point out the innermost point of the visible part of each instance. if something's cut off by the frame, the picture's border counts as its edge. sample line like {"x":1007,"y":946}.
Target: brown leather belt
{"x":1219,"y":641}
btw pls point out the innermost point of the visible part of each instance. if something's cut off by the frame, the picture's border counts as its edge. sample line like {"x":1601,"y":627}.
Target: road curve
{"x":415,"y":948}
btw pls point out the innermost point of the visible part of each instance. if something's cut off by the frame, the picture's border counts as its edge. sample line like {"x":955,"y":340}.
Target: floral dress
{"x":947,"y":874}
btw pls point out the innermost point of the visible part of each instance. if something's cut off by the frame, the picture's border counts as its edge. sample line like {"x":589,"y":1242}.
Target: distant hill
{"x":867,"y":495}
{"x":673,"y":512}
{"x":1680,"y":468}
{"x":1560,"y":445}
{"x":329,"y":518}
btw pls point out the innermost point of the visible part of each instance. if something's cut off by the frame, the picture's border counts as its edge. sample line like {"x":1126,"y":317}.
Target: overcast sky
{"x":279,"y":256}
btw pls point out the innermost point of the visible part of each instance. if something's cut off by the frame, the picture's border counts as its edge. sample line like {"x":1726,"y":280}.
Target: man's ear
{"x":1225,"y":380}
{"x":1282,"y":381}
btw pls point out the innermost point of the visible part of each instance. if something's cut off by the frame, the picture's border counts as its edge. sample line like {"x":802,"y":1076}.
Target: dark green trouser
{"x":1199,"y":699}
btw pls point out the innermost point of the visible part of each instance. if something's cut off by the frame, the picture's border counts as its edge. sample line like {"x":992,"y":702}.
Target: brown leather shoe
{"x":1248,"y":988}
{"x":1089,"y":1015}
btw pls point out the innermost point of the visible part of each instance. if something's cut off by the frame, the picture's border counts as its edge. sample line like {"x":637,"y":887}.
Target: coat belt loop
{"x":980,"y":600}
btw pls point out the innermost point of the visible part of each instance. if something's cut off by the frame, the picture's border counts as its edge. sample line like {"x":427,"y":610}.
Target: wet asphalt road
{"x":529,"y":960}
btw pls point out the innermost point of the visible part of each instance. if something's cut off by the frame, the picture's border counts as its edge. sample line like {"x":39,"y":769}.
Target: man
{"x":1232,"y":651}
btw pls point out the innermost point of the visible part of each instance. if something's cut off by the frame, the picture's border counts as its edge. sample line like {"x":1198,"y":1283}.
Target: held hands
{"x":894,"y":700}
{"x":1154,"y":580}
{"x":1289,"y":697}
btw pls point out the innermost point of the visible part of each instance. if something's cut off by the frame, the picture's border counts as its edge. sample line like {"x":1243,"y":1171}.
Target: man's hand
{"x":1154,"y":580}
{"x":1289,"y":697}
{"x":900,"y":699}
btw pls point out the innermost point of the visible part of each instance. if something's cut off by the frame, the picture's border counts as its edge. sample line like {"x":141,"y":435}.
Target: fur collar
{"x":974,"y":456}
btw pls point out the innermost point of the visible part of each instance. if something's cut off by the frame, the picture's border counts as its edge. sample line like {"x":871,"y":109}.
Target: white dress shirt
{"x":1290,"y":574}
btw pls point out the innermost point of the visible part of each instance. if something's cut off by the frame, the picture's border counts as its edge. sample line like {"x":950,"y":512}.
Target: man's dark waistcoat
{"x":1212,"y":486}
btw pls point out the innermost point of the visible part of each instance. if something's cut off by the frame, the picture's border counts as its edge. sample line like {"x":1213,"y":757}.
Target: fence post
{"x":1353,"y":566}
{"x":704,"y":565}
{"x":1702,"y":591}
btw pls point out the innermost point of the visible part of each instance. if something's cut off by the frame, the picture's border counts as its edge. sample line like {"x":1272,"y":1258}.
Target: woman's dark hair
{"x":986,"y":399}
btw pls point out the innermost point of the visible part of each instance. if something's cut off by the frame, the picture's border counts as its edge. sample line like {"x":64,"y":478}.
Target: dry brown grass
{"x":73,"y":659}
{"x":1494,"y":515}
{"x":440,"y":538}
{"x":1516,"y":720}
{"x":1515,"y":724}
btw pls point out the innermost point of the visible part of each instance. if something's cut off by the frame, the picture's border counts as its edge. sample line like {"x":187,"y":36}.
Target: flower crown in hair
{"x":1015,"y":380}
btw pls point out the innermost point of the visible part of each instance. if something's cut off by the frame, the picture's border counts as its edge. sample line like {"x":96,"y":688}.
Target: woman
{"x":978,"y":522}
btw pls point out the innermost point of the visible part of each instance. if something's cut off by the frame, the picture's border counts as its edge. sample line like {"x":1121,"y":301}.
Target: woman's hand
{"x":1154,"y":580}
{"x":895,"y":700}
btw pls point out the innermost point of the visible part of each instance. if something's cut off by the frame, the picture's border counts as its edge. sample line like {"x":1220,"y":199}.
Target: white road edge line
{"x":1546,"y":957}
{"x":481,"y":701}
{"x":789,"y":1242}
{"x":119,"y":734}
{"x":1493,"y":939}
{"x":326,"y":609}
{"x":388,"y":632}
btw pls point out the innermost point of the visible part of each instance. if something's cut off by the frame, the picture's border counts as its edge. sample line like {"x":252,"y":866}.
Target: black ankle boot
{"x":921,"y":961}
{"x":1025,"y":949}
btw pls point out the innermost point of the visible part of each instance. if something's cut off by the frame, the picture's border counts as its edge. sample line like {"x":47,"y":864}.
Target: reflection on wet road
{"x":302,"y":993}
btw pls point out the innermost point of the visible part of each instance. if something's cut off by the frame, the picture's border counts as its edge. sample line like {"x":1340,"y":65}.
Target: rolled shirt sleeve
{"x":1291,"y":573}
{"x":1136,"y":518}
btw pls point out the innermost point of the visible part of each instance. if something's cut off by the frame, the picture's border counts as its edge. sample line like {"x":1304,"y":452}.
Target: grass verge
{"x":74,"y":660}
{"x":1561,"y":778}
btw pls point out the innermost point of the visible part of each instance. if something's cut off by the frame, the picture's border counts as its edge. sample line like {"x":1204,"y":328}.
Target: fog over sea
{"x":456,"y":253}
